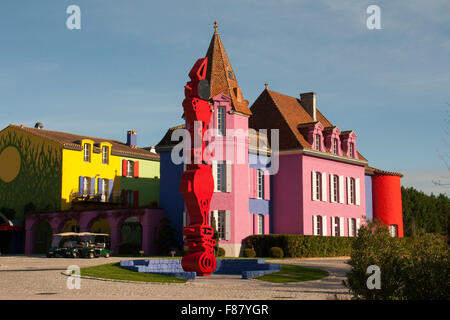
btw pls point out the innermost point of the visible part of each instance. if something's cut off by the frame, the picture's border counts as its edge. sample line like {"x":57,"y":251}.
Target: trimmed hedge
{"x":296,"y":245}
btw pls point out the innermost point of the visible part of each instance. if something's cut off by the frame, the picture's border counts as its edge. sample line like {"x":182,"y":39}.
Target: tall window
{"x":221,"y":121}
{"x":319,"y":225}
{"x":221,"y":224}
{"x":105,"y":155}
{"x":86,"y":183}
{"x":317,"y":142}
{"x":104,"y":190}
{"x":336,"y":226}
{"x":130,"y":197}
{"x":335,"y":188}
{"x":87,"y":152}
{"x":352,"y":150}
{"x":393,"y":230}
{"x":260,"y":183}
{"x":318,"y":190}
{"x":130,"y":168}
{"x":335,"y":145}
{"x":221,"y":177}
{"x":353,"y":227}
{"x":352,"y":191}
{"x":260,"y":224}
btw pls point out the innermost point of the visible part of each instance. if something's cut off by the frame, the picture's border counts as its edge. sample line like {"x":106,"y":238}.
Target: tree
{"x":421,"y":211}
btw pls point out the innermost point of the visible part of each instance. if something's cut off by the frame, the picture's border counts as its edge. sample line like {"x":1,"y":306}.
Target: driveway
{"x":37,"y":277}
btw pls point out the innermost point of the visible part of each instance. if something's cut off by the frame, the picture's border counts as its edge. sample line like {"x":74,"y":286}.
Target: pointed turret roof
{"x":221,"y":76}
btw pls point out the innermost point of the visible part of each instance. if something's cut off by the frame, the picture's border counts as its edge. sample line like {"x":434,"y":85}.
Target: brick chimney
{"x":131,"y":138}
{"x":308,"y":101}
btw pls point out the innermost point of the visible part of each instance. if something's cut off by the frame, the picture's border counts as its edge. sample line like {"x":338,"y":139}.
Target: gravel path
{"x":36,"y":277}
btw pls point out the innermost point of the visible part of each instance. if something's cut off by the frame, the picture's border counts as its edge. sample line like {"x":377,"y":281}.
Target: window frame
{"x":319,"y":225}
{"x":352,"y":191}
{"x":105,"y":155}
{"x":260,"y":224}
{"x":337,"y":226}
{"x":318,"y":190}
{"x":221,"y":121}
{"x":221,"y":175}
{"x":221,"y":224}
{"x":317,"y":142}
{"x":260,"y":184}
{"x":87,"y":152}
{"x":130,"y":169}
{"x":335,"y":146}
{"x":86,"y":186}
{"x":351,"y":150}
{"x":335,"y":188}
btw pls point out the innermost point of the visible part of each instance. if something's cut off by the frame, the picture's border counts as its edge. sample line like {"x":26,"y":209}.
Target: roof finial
{"x":266,"y":85}
{"x":215,"y":26}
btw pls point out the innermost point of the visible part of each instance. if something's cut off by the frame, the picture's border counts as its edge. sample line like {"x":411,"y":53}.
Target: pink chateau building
{"x":323,"y":185}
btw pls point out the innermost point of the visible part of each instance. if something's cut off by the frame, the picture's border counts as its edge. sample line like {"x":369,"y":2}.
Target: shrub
{"x":249,"y":253}
{"x":221,"y":252}
{"x":166,"y":237}
{"x":276,"y":252}
{"x":295,"y":245}
{"x":415,"y":268}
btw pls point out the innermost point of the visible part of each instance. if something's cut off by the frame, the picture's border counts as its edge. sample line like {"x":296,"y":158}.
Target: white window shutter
{"x":324,"y":225}
{"x":324,"y":187}
{"x":357,"y":226}
{"x":313,"y":191}
{"x":341,"y":189}
{"x":357,"y":192}
{"x":333,"y":233}
{"x":227,"y":225}
{"x":214,"y":172}
{"x":228,"y":176}
{"x":341,"y":226}
{"x":315,"y":225}
{"x":348,"y":190}
{"x":349,"y":221}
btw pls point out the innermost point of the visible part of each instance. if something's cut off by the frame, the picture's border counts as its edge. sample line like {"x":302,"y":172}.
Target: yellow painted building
{"x":42,"y":170}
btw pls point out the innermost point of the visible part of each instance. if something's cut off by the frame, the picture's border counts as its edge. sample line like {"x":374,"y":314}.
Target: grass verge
{"x":293,"y":273}
{"x":114,"y":271}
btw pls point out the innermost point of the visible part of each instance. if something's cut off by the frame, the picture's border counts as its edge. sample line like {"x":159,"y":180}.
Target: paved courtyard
{"x":37,"y":277}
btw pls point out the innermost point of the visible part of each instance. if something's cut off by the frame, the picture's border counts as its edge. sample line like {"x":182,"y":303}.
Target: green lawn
{"x":114,"y":271}
{"x":292,"y":273}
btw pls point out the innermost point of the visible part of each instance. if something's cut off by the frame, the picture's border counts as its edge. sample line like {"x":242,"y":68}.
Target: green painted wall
{"x":36,"y":180}
{"x":147,"y":184}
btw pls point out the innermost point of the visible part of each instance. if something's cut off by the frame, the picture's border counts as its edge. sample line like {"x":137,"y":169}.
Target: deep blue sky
{"x":126,"y":68}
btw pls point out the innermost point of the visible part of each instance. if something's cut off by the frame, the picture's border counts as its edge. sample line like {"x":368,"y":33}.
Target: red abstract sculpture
{"x":197,"y":183}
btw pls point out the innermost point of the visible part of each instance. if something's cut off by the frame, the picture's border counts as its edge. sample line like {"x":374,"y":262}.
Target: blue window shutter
{"x":92,"y":186}
{"x":99,"y":186}
{"x":81,"y":184}
{"x":110,"y":191}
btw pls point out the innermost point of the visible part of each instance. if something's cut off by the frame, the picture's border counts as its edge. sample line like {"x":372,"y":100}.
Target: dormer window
{"x":335,"y":146}
{"x":352,"y":150}
{"x":105,"y":155}
{"x":317,"y":142}
{"x":87,"y":152}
